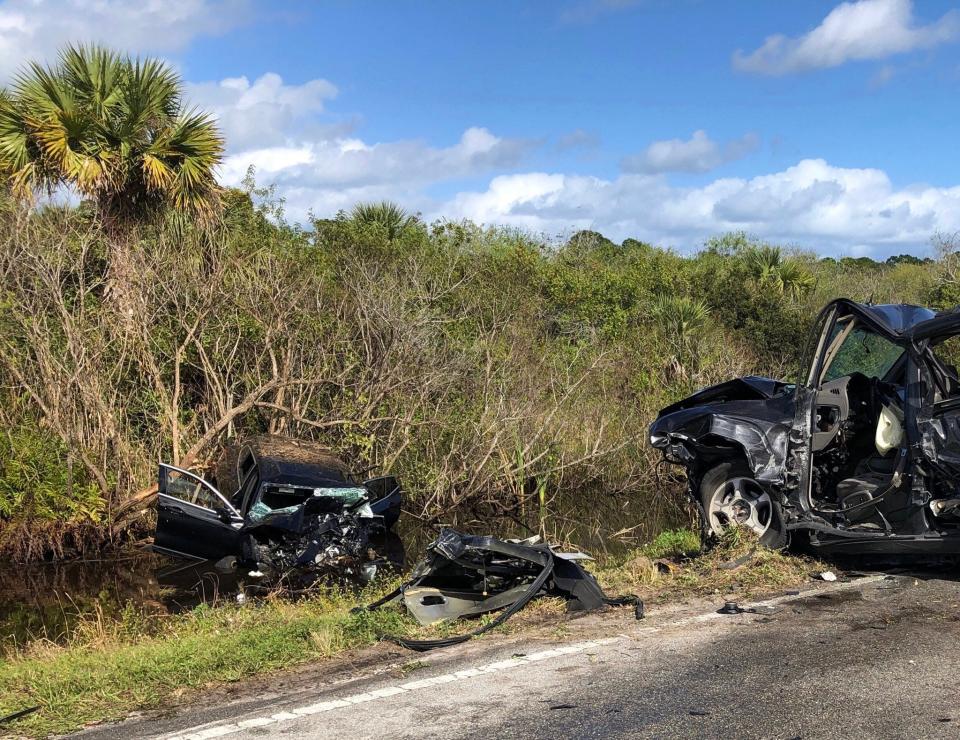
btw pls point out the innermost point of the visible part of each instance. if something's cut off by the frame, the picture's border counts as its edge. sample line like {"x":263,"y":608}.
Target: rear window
{"x":280,"y":497}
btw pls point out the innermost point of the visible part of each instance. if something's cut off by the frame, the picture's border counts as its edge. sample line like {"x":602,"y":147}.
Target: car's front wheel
{"x":732,"y":497}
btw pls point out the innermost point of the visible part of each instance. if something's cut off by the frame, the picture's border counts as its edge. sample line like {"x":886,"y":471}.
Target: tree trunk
{"x":122,"y":282}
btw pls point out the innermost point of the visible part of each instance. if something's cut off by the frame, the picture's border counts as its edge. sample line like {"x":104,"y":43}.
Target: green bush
{"x":39,"y":480}
{"x":474,"y":363}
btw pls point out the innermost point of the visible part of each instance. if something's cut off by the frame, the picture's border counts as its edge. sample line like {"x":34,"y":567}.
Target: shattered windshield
{"x":855,"y":348}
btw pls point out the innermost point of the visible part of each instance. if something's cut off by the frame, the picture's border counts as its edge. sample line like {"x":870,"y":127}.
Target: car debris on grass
{"x":467,"y":575}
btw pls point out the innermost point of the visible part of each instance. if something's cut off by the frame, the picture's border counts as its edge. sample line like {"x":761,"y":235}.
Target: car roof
{"x":300,"y":473}
{"x":895,"y":319}
{"x":902,"y":321}
{"x":296,"y":461}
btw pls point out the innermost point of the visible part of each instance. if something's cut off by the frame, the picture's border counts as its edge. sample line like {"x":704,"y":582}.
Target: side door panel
{"x":800,"y":448}
{"x":193,"y":519}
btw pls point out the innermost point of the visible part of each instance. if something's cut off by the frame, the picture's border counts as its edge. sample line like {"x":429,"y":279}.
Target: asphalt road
{"x":878,"y":657}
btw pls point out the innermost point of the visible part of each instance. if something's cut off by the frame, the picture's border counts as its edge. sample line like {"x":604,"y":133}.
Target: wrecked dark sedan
{"x":277,"y":506}
{"x":861,"y":456}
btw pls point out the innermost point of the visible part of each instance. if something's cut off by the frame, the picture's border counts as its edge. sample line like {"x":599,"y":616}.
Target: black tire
{"x":774,"y":537}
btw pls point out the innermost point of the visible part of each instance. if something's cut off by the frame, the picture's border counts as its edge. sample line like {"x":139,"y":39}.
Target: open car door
{"x":855,"y":392}
{"x":193,"y":518}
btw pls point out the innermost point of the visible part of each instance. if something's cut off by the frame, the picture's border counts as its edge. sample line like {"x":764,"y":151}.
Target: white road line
{"x":202,"y":732}
{"x":387,"y":692}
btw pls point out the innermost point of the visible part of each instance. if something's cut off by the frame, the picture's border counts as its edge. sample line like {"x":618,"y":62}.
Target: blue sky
{"x":828,"y":126}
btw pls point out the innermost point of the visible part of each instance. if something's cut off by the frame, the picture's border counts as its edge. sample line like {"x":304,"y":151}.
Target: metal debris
{"x":18,"y":714}
{"x":464,"y":576}
{"x":730,"y":607}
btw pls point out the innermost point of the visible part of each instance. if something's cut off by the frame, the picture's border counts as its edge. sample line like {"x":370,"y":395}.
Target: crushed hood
{"x":749,"y":388}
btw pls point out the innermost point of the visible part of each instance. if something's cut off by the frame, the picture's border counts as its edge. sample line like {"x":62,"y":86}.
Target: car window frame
{"x":249,"y":497}
{"x":165,"y":470}
{"x":839,"y":341}
{"x":825,"y":321}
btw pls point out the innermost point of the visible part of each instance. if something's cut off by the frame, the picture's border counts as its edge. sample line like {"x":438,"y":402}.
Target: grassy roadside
{"x":138,"y":662}
{"x":110,"y":669}
{"x":673,"y":567}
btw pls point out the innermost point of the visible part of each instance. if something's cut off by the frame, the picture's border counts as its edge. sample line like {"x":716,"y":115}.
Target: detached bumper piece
{"x":465,"y":576}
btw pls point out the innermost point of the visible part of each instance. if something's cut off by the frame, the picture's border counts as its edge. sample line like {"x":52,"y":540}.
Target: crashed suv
{"x":278,"y":506}
{"x":862,"y":456}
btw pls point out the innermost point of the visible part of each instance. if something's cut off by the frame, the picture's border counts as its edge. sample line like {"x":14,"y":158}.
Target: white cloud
{"x":351,"y":162}
{"x":323,"y":169}
{"x":578,"y":139}
{"x":320,"y":165}
{"x":813,"y":204}
{"x":263,"y":113}
{"x":35,"y":29}
{"x":853,"y":31}
{"x":699,"y":153}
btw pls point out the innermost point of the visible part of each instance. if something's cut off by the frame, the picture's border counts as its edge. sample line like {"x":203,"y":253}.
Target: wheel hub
{"x":743,"y":502}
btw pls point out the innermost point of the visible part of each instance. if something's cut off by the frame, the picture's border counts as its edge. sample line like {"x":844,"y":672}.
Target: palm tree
{"x":389,"y":216}
{"x":113,"y":129}
{"x":683,"y":317}
{"x":683,"y":321}
{"x":769,"y":268}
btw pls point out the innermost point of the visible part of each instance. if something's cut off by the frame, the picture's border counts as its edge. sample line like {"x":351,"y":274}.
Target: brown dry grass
{"x":738,"y":564}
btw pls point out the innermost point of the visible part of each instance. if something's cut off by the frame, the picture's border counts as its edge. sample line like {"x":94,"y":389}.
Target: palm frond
{"x":389,"y":216}
{"x":680,"y":316}
{"x":96,"y":75}
{"x":14,"y":139}
{"x":114,"y":129}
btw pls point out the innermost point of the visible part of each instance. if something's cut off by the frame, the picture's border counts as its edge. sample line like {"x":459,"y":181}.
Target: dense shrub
{"x":487,"y":368}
